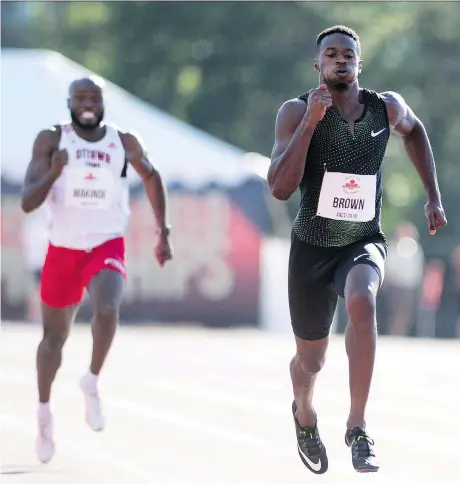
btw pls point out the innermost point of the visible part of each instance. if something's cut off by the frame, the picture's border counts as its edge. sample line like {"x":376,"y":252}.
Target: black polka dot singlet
{"x":335,"y":149}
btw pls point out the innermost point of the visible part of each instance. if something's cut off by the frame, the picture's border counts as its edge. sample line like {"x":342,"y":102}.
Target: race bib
{"x":87,"y":188}
{"x":347,"y":197}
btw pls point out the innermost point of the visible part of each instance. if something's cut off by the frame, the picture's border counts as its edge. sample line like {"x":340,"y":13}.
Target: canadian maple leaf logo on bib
{"x":351,"y":185}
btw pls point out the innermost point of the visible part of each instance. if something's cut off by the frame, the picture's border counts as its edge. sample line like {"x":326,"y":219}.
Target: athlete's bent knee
{"x":361,"y":305}
{"x":308,"y":364}
{"x":310,"y":357}
{"x":106,"y":312}
{"x":54,"y":338}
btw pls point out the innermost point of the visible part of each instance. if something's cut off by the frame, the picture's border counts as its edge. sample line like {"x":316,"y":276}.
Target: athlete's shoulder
{"x":392,"y":98}
{"x":397,"y":108}
{"x":292,"y":108}
{"x":122,"y":132}
{"x":49,"y":136}
{"x":132,"y":141}
{"x":113,"y":127}
{"x":129,"y":135}
{"x":393,"y":101}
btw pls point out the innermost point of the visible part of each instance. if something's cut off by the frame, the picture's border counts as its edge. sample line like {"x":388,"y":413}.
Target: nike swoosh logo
{"x":360,"y":256}
{"x":378,"y":132}
{"x":316,"y":467}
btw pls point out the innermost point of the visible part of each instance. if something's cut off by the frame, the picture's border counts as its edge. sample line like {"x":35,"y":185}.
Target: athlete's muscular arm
{"x":294,"y":128}
{"x":150,"y":177}
{"x":292,"y":139}
{"x":417,"y":145}
{"x":154,"y":188}
{"x":43,"y":170}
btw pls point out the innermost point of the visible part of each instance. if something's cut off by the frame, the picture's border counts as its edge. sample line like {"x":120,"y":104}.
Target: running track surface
{"x":195,"y":406}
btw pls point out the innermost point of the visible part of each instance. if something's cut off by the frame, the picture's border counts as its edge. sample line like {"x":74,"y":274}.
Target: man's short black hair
{"x":338,"y":29}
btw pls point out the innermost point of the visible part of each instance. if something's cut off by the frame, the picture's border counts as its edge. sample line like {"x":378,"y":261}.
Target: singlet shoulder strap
{"x":377,"y":103}
{"x":65,"y":127}
{"x":119,"y":133}
{"x":373,"y":97}
{"x":303,"y":97}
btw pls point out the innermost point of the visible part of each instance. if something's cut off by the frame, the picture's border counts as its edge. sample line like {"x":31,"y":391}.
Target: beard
{"x":87,"y":125}
{"x":340,"y":86}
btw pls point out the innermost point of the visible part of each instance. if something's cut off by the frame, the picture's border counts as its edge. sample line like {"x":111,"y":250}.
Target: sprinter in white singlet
{"x":80,"y":169}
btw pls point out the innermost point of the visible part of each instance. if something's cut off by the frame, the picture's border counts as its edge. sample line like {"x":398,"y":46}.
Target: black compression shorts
{"x":317,"y":278}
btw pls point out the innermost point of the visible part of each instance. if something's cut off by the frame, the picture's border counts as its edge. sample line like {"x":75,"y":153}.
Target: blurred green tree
{"x":226,"y":67}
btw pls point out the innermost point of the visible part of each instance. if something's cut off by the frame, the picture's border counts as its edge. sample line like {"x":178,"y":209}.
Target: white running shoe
{"x":45,"y":441}
{"x":93,"y":411}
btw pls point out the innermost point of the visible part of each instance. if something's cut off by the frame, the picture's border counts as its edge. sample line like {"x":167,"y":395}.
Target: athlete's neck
{"x":91,"y":135}
{"x":346,"y":101}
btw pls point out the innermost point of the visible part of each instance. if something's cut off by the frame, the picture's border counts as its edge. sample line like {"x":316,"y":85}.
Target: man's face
{"x":338,"y":60}
{"x":86,"y":105}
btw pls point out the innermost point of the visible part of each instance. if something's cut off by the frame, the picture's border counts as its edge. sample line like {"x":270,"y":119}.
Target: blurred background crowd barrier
{"x":203,"y":95}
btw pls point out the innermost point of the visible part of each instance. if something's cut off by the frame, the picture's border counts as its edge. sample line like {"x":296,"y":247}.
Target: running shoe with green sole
{"x":362,"y":452}
{"x":310,"y":447}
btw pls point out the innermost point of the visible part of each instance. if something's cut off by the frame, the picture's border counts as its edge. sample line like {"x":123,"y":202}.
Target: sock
{"x":44,"y":410}
{"x":91,"y":378}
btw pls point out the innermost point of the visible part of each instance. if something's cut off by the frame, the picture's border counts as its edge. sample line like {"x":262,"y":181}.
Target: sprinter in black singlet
{"x":330,"y":142}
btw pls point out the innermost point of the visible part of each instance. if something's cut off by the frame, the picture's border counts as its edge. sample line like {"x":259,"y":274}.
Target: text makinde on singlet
{"x":85,"y":193}
{"x":341,"y":191}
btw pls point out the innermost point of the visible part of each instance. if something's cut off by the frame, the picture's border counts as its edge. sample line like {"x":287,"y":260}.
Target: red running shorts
{"x":67,"y":272}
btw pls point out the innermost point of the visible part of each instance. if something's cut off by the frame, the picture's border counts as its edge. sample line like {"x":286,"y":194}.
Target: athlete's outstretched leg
{"x":56,"y":327}
{"x":312,"y":302}
{"x":361,"y":335}
{"x":361,"y":288}
{"x":106,"y":291}
{"x":305,"y":366}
